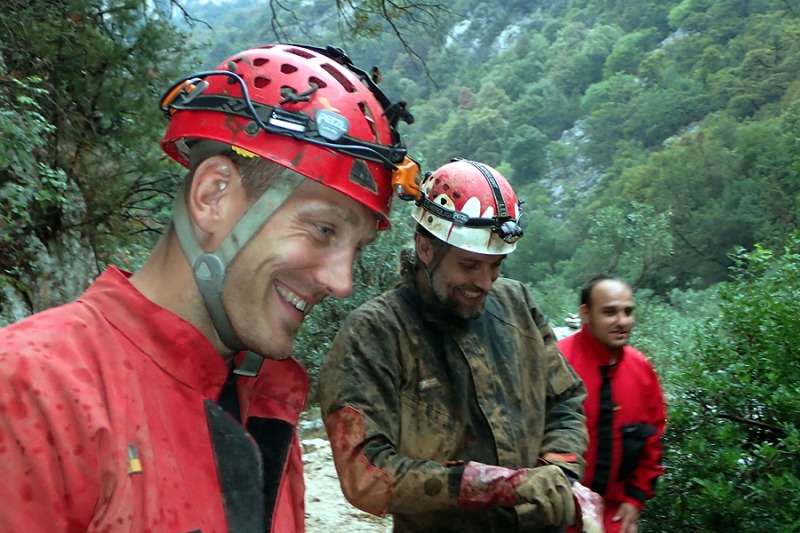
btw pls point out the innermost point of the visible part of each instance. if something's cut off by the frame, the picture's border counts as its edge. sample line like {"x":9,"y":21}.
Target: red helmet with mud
{"x":307,"y":109}
{"x":470,"y":206}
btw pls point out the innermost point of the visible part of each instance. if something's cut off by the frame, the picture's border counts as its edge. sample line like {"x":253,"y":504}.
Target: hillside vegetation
{"x":654,"y":139}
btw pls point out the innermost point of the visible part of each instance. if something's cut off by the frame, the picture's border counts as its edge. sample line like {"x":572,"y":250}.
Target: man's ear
{"x":215,"y":179}
{"x":424,"y":249}
{"x":583,"y":309}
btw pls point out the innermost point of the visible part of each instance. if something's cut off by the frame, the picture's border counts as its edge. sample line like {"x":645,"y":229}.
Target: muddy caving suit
{"x":408,"y":398}
{"x":625,"y":416}
{"x":109,"y":422}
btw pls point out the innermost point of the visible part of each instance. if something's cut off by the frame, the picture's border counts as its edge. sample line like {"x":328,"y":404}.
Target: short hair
{"x":409,"y":259}
{"x":591,"y":283}
{"x":257,"y":173}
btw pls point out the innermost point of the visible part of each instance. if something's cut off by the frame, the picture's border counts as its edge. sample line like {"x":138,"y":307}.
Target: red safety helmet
{"x":470,"y":206}
{"x":307,"y":109}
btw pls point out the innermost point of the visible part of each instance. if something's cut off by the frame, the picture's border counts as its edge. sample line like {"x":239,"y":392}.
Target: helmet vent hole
{"x":443,"y":201}
{"x":288,"y":69}
{"x":260,"y":61}
{"x":260,"y":82}
{"x":319,"y":83}
{"x":336,"y":73}
{"x":456,"y":196}
{"x":370,"y":120}
{"x":300,"y":52}
{"x":360,"y":175}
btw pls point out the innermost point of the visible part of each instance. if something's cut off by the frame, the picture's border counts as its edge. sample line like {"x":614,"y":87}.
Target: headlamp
{"x":406,"y":180}
{"x":510,"y":231}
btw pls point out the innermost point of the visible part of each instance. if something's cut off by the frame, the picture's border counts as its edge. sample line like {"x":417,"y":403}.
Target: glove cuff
{"x":485,"y":485}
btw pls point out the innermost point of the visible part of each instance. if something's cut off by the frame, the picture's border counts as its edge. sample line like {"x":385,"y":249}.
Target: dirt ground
{"x":326,"y":509}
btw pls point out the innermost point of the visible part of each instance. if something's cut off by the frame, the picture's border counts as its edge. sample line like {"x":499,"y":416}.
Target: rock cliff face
{"x":54,"y":266}
{"x":576,"y":176}
{"x":58,"y":273}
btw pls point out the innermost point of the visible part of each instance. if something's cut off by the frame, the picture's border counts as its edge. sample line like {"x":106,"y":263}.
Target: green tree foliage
{"x":101,"y":66}
{"x":733,"y":441}
{"x":607,"y":106}
{"x":725,"y":185}
{"x":519,"y":67}
{"x":32,"y":193}
{"x":547,"y":240}
{"x":543,"y":106}
{"x":628,"y":16}
{"x":526,"y":152}
{"x":580,"y":54}
{"x":629,"y":51}
{"x":631,"y":241}
{"x":761,"y":63}
{"x":475,"y":130}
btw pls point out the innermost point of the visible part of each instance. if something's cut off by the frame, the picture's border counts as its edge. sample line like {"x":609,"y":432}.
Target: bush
{"x":733,"y":441}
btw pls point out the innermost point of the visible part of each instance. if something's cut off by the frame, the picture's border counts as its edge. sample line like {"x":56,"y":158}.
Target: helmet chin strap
{"x":209,"y":268}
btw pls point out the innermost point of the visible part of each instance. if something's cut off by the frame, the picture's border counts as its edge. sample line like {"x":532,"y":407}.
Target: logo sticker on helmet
{"x":331,"y":125}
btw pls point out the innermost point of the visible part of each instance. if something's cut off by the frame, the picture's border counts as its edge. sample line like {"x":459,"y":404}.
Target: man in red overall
{"x":625,"y":408}
{"x":166,"y":400}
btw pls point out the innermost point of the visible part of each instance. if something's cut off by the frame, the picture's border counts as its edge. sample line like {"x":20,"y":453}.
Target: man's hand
{"x":629,"y":515}
{"x":548,"y":488}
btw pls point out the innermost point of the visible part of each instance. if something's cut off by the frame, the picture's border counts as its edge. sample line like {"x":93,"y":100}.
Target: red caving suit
{"x":109,"y":423}
{"x":624,"y":457}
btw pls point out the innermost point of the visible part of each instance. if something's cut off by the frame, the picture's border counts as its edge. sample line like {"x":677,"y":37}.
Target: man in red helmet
{"x":166,"y":400}
{"x":446,"y":400}
{"x":625,"y":407}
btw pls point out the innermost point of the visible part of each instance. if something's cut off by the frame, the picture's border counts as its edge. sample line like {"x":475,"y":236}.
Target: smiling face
{"x":459,"y":279}
{"x":304,"y":253}
{"x":609,"y":314}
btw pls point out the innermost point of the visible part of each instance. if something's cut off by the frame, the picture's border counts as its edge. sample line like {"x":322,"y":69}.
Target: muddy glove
{"x":546,"y":488}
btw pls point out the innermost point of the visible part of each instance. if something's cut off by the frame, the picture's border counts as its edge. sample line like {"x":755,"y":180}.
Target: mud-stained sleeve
{"x":360,"y":400}
{"x":565,"y":437}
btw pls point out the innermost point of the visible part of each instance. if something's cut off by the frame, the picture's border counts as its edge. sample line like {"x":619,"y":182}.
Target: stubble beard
{"x":452,"y":305}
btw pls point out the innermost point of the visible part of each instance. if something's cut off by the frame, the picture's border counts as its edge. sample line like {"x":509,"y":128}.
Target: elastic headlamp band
{"x":460,"y":218}
{"x":502,"y":211}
